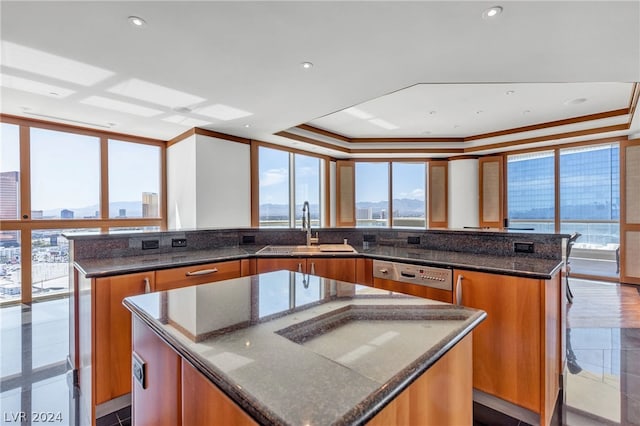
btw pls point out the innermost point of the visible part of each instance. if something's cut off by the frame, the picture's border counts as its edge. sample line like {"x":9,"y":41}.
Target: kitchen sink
{"x":321,"y":248}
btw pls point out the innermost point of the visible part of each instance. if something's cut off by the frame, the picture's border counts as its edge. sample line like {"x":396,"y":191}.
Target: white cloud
{"x":273,"y":177}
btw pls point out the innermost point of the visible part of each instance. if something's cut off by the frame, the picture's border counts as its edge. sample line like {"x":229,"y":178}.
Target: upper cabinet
{"x":630,"y":213}
{"x":438,"y":194}
{"x":345,"y":197}
{"x":491,"y":191}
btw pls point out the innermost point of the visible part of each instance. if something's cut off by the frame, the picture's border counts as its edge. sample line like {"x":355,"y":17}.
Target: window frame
{"x":26,"y":225}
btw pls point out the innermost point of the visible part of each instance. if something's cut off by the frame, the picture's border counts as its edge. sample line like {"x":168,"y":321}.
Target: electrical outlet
{"x":248,"y":239}
{"x":150,"y":244}
{"x":523,"y":247}
{"x":178,"y":242}
{"x":139,"y":370}
{"x":413,"y":240}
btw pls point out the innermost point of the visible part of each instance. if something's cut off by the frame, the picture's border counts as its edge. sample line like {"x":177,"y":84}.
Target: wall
{"x":463,"y":193}
{"x":208,"y":183}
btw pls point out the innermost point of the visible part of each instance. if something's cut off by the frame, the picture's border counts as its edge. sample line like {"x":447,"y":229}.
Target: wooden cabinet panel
{"x":443,"y":395}
{"x":346,"y":189}
{"x":438,"y":194}
{"x":491,"y":192}
{"x":337,"y":268}
{"x":630,"y":213}
{"x":414,"y":290}
{"x":507,"y":345}
{"x":168,"y":279}
{"x":203,"y":404}
{"x":158,"y":403}
{"x":269,"y":264}
{"x":364,"y":271}
{"x":112,"y":338}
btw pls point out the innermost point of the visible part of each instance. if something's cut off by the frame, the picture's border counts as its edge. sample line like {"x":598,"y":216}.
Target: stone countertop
{"x":290,"y":348}
{"x":513,"y":265}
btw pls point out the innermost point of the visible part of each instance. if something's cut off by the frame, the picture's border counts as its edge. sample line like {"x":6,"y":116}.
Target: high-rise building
{"x":9,"y":195}
{"x":122,"y":213}
{"x":150,"y":204}
{"x":66,"y":214}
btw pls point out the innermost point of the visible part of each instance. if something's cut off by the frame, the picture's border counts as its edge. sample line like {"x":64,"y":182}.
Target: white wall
{"x":223,"y":171}
{"x":208,"y":183}
{"x":463,"y":193}
{"x":181,"y":184}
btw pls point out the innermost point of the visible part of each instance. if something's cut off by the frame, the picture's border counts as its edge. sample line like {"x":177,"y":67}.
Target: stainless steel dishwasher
{"x":428,"y":276}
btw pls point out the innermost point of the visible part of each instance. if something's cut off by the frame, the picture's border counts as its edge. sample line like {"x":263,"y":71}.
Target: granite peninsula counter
{"x":290,"y":348}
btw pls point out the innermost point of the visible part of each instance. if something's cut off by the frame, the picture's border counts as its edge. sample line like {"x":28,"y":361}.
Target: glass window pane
{"x":590,"y":205}
{"x":10,"y":269}
{"x":409,"y":208}
{"x":65,"y":175}
{"x":273,"y":170}
{"x":134,"y":180}
{"x":372,"y":194}
{"x":9,"y":171}
{"x":50,"y":262}
{"x":307,"y":187}
{"x":531,"y":191}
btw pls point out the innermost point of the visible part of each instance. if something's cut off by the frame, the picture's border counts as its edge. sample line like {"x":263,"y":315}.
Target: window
{"x":9,"y":172}
{"x":274,"y":187}
{"x":134,"y":180}
{"x":287,"y":180}
{"x":307,"y":187}
{"x":531,"y":191}
{"x":372,"y":194}
{"x":65,"y":175}
{"x":408,"y":195}
{"x":10,"y":266}
{"x":590,"y":195}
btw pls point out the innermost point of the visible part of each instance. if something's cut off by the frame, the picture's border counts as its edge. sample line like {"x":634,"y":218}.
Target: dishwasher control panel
{"x":429,"y":276}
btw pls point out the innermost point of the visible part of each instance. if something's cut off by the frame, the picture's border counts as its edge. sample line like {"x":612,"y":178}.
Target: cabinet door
{"x":364,"y":271}
{"x":112,"y":337}
{"x":337,"y":268}
{"x":269,"y":264}
{"x":507,"y":345}
{"x":168,"y":279}
{"x":156,"y":403}
{"x":204,"y":404}
{"x":491,"y":191}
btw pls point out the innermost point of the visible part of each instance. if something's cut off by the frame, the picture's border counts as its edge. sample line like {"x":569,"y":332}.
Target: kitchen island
{"x":290,"y":348}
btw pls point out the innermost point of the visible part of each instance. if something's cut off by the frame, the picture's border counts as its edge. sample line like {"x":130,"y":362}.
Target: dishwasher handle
{"x":459,"y":290}
{"x":407,"y":274}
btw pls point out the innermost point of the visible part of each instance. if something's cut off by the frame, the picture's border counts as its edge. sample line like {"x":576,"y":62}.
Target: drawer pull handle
{"x":313,"y":268}
{"x":384,"y":271}
{"x":147,"y":285}
{"x":201,"y":272}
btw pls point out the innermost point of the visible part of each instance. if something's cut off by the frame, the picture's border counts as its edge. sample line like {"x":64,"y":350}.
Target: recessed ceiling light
{"x":479,"y":111}
{"x":137,"y":22}
{"x":576,"y":101}
{"x":306,"y":65}
{"x":456,"y":126}
{"x":510,"y":92}
{"x":432,"y":112}
{"x":492,"y":12}
{"x":526,"y":111}
{"x":247,"y":125}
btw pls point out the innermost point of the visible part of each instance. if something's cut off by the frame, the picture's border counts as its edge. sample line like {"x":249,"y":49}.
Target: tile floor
{"x":602,"y":381}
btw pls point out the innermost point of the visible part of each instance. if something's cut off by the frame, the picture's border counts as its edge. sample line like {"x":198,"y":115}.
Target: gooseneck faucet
{"x":306,"y":224}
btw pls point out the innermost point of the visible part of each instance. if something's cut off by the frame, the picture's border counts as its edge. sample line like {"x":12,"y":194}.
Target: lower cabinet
{"x":112,"y":336}
{"x":168,"y":279}
{"x":156,"y":394}
{"x":337,"y":268}
{"x":517,"y":350}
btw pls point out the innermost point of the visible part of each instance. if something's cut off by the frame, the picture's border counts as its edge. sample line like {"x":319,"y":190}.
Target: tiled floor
{"x":602,"y":381}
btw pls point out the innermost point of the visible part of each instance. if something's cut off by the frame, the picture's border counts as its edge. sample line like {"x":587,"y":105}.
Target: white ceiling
{"x":399,"y":61}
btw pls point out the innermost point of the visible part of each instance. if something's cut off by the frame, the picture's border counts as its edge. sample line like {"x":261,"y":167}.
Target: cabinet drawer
{"x":168,"y":279}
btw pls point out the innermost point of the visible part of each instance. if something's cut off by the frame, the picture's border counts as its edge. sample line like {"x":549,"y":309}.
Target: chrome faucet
{"x":306,"y":224}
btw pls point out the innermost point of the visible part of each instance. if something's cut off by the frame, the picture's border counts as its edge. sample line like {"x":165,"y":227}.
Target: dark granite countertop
{"x":506,"y":265}
{"x":289,"y":348}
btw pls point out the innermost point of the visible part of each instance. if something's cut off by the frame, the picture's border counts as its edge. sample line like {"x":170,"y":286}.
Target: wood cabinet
{"x":364,"y":271}
{"x":155,"y":401}
{"x":168,"y":279}
{"x":414,"y":290}
{"x":337,"y":268}
{"x":204,"y":404}
{"x":491,"y":191}
{"x":517,"y":350}
{"x":112,"y":337}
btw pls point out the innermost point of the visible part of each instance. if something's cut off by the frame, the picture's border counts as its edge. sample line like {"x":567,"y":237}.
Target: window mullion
{"x":292,"y":190}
